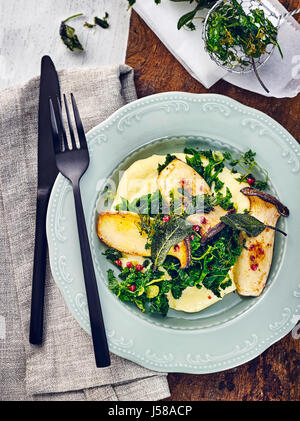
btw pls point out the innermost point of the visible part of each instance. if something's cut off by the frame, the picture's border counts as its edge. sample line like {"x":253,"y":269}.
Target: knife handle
{"x":39,"y":271}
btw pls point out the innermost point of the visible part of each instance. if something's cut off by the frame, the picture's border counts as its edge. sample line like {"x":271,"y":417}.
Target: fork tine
{"x":74,"y":146}
{"x":81,"y":135}
{"x":61,"y":123}
{"x":56,"y":138}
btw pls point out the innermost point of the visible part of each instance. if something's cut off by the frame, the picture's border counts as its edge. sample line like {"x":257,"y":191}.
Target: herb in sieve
{"x":236,"y":37}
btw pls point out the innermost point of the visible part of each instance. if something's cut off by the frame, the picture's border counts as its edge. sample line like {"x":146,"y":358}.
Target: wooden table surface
{"x":274,"y":375}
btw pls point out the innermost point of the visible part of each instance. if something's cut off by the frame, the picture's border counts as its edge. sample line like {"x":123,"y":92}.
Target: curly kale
{"x":246,"y":163}
{"x":147,"y":289}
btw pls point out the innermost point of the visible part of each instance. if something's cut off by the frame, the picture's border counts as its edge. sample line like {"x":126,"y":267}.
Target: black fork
{"x":72,"y":161}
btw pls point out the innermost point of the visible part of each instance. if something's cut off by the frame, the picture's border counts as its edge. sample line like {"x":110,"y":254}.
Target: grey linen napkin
{"x":64,"y":368}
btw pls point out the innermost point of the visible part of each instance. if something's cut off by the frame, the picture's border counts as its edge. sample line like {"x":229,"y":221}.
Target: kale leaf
{"x":210,"y":264}
{"x":149,"y":204}
{"x":169,"y":158}
{"x":137,"y":287}
{"x":210,"y":171}
{"x":205,"y":202}
{"x":112,"y":255}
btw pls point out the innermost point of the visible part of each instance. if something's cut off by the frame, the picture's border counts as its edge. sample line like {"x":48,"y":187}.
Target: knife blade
{"x":47,"y":173}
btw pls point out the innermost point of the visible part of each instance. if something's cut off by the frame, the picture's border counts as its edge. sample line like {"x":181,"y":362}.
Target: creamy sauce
{"x":141,"y":179}
{"x":240,"y":201}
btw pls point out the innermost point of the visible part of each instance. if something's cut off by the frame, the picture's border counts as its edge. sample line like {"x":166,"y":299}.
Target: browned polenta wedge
{"x":121,"y":231}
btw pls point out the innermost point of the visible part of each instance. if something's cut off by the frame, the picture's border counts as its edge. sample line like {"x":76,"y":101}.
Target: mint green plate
{"x":232,"y":331}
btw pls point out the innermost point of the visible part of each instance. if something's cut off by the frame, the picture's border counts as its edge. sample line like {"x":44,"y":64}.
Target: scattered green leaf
{"x":68,"y":36}
{"x":89,"y":25}
{"x":102,"y":22}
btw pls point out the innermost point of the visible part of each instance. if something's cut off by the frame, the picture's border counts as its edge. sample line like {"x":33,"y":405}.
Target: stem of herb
{"x":258,"y":77}
{"x":276,"y":229}
{"x":72,"y":17}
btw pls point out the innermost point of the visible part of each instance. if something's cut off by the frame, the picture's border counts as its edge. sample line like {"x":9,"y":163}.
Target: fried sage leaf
{"x":247,"y":223}
{"x":166,"y":235}
{"x":68,"y":36}
{"x":102,"y":22}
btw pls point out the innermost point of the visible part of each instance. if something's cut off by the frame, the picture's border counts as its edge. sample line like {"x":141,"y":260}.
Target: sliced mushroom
{"x":268,"y":198}
{"x":120,"y":230}
{"x":209,"y":223}
{"x":252,"y":268}
{"x":177,"y":175}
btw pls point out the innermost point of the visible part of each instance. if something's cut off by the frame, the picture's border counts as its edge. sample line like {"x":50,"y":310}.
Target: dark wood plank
{"x":274,"y":375}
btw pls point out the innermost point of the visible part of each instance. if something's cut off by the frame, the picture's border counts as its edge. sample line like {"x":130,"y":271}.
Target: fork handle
{"x":96,"y":318}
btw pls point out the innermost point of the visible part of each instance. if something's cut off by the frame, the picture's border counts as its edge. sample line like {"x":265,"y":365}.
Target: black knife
{"x":47,"y":173}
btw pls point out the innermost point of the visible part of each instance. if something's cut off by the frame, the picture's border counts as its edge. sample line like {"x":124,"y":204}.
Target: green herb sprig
{"x":246,"y":163}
